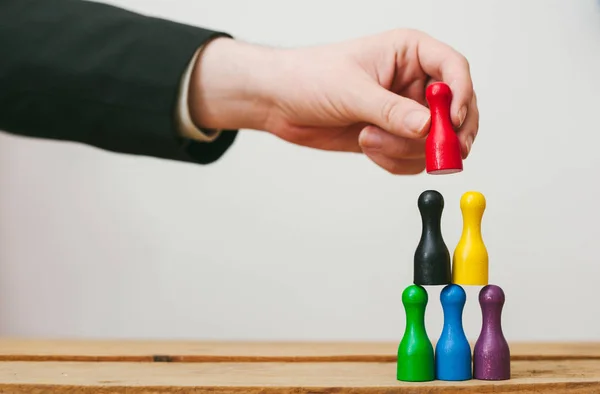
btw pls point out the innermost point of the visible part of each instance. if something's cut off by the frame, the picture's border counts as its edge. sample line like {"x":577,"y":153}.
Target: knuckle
{"x":464,"y":62}
{"x":407,"y":37}
{"x":400,"y":32}
{"x":404,"y":37}
{"x":388,"y":111}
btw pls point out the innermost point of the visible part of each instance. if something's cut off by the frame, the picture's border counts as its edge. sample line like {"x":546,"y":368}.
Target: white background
{"x":276,"y":241}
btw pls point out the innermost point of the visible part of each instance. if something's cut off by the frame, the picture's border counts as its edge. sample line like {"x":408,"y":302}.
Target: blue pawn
{"x":452,"y":351}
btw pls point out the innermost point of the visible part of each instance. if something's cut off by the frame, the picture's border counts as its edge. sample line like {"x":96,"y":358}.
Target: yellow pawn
{"x":470,"y":260}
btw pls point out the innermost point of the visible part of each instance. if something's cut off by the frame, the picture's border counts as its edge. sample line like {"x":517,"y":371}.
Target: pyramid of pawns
{"x":452,"y":358}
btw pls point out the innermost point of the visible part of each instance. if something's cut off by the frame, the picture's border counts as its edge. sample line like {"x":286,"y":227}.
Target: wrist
{"x":229,"y":85}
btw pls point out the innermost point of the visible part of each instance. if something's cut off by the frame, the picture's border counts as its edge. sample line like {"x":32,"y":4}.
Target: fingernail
{"x":462,"y":114}
{"x":415,"y":121}
{"x":370,"y":140}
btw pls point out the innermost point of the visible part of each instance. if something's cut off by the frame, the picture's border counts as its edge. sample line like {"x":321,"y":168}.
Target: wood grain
{"x":204,"y":351}
{"x":573,"y":376}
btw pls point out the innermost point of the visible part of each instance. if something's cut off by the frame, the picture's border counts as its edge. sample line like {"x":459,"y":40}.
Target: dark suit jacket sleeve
{"x":96,"y":74}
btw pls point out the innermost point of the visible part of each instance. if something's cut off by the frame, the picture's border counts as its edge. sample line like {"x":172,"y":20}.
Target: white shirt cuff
{"x":186,"y":126}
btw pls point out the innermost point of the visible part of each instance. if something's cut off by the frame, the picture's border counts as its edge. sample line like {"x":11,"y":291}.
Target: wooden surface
{"x":574,"y":376}
{"x":149,"y":367}
{"x":199,"y":351}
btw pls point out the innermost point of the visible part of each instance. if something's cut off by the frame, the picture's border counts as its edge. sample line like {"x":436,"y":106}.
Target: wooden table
{"x":152,"y":367}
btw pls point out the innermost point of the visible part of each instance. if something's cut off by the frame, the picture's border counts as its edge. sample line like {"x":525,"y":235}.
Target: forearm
{"x":96,"y":74}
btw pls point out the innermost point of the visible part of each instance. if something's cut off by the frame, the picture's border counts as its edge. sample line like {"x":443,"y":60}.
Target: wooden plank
{"x":204,"y":351}
{"x":572,"y":376}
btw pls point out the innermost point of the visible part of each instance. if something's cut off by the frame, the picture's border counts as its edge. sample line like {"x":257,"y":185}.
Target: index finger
{"x":442,"y":62}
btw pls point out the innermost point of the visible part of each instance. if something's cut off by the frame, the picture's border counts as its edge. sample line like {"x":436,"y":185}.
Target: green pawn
{"x":416,"y":361}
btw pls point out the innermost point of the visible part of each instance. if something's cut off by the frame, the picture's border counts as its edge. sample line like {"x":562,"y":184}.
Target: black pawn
{"x":432,"y":258}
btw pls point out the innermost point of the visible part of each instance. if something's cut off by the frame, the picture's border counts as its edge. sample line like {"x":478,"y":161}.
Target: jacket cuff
{"x":186,"y":126}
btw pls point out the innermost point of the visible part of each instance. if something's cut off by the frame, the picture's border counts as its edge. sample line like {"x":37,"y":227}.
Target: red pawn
{"x":442,"y":148}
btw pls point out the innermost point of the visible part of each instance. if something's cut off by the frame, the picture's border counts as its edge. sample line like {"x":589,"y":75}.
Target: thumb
{"x":393,"y":113}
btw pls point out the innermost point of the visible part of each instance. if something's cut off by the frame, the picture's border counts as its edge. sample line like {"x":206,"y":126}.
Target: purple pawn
{"x":491,"y":355}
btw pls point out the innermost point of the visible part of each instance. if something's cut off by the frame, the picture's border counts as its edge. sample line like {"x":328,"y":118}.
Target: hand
{"x":365,"y":95}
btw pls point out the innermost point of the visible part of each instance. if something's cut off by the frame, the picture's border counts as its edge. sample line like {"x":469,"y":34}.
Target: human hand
{"x":364,"y":95}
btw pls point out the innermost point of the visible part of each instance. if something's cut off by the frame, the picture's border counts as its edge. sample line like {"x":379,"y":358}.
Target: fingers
{"x":395,"y":154}
{"x":375,"y":140}
{"x":445,"y":64}
{"x":338,"y":139}
{"x":468,"y":131}
{"x":393,"y":113}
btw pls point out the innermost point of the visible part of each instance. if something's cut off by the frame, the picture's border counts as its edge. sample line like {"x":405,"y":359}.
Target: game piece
{"x":442,"y":147}
{"x":452,"y":351}
{"x":432,"y":263}
{"x":415,"y":352}
{"x":470,"y":259}
{"x":491,"y":355}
